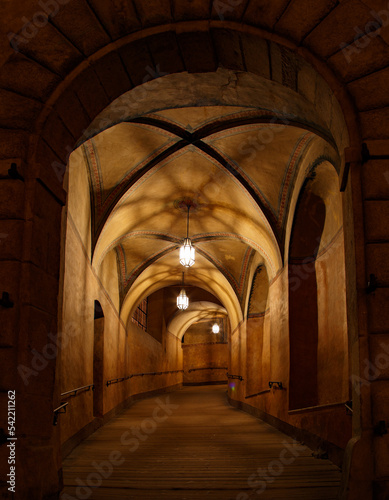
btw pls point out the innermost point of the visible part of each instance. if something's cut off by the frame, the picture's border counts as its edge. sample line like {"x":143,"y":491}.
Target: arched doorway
{"x":98,"y":361}
{"x":49,"y":147}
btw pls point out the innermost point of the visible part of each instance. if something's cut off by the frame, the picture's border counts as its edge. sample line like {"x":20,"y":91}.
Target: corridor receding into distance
{"x":193,"y":445}
{"x":249,"y":172}
{"x":251,"y":134}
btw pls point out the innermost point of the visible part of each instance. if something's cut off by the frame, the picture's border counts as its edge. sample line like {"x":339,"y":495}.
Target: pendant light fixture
{"x":215,"y":326}
{"x":182,"y":299}
{"x":187,"y":251}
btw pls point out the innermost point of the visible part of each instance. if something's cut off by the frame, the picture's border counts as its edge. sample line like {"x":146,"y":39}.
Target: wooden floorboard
{"x":204,"y":449}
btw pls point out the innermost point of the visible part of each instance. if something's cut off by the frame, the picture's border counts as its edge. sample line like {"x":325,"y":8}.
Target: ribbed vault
{"x":241,"y":161}
{"x":196,"y":311}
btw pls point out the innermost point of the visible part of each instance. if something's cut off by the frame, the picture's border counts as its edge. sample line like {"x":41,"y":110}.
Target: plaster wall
{"x":257,"y":370}
{"x":81,"y":288}
{"x":126,"y":350}
{"x":147,"y":355}
{"x":333,"y":370}
{"x":260,"y":353}
{"x":205,"y":355}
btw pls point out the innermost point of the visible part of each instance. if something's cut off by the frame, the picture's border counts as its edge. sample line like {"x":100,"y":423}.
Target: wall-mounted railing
{"x":155,"y":373}
{"x":208,"y":368}
{"x":276,"y":385}
{"x":63,"y":405}
{"x":238,"y":377}
{"x":346,"y":404}
{"x":122,"y":379}
{"x":116,"y":380}
{"x":57,"y":411}
{"x":265,"y":391}
{"x":74,"y":392}
{"x":272,"y":385}
{"x":349,"y":407}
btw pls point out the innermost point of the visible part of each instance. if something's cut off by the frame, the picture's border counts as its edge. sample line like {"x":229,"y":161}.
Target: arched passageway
{"x":244,"y":108}
{"x":246,"y":179}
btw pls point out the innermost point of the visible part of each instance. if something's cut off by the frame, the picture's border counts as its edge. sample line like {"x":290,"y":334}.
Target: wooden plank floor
{"x":204,"y":449}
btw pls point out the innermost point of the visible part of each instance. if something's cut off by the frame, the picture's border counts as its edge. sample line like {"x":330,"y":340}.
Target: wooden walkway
{"x":201,"y":449}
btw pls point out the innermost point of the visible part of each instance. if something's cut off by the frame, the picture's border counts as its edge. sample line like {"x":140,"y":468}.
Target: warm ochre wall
{"x":126,"y":351}
{"x":205,"y":355}
{"x":333,"y":369}
{"x":81,"y":288}
{"x":257,"y":370}
{"x":260,"y":353}
{"x":49,"y":102}
{"x":147,"y":355}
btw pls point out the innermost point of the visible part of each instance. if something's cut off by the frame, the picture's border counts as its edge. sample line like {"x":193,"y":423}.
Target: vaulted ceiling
{"x":66,"y":77}
{"x":241,"y":167}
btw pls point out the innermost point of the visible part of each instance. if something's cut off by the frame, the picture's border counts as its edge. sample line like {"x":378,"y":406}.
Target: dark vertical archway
{"x":16,"y":140}
{"x":258,"y":368}
{"x":307,"y":229}
{"x":98,"y":361}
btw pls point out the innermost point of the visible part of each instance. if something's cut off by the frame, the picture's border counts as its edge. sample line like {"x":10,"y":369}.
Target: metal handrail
{"x":122,"y":379}
{"x":155,"y":373}
{"x":318,"y":407}
{"x":87,"y":387}
{"x":277,"y":384}
{"x":116,"y":380}
{"x":63,"y":405}
{"x":208,"y":368}
{"x":265,"y":391}
{"x":238,"y":377}
{"x":349,"y":407}
{"x":57,"y":411}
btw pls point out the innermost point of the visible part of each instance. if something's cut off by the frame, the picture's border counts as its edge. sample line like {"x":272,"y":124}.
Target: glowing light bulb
{"x":182,"y":300}
{"x":187,"y":253}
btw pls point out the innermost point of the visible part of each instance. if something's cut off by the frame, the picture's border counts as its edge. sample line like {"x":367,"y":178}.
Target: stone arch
{"x":303,"y":307}
{"x":154,"y":278}
{"x":316,"y":261}
{"x":181,"y":321}
{"x":362,"y":80}
{"x":86,"y":80}
{"x":257,"y":304}
{"x":257,"y":331}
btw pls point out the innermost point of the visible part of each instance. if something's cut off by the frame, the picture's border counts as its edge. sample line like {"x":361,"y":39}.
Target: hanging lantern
{"x":215,"y":328}
{"x":182,"y":300}
{"x":187,"y":251}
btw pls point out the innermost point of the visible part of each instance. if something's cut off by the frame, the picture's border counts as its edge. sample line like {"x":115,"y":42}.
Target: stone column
{"x":30,"y":238}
